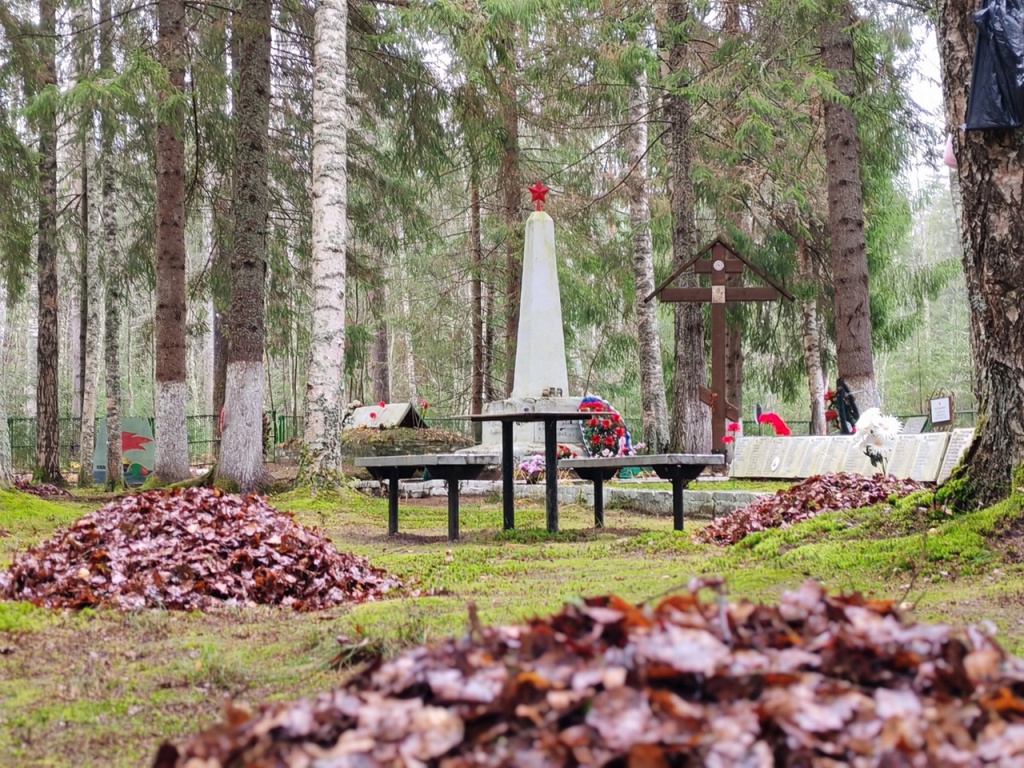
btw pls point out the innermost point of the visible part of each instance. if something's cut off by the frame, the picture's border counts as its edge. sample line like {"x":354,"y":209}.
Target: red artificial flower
{"x":595,"y":438}
{"x":831,"y":415}
{"x":382,"y":404}
{"x":605,"y":423}
{"x":609,"y":440}
{"x":616,"y":418}
{"x":620,"y":431}
{"x":775,"y":421}
{"x":733,"y":426}
{"x":373,"y":414}
{"x":424,"y":404}
{"x":829,"y":395}
{"x":728,"y":439}
{"x":593,"y":421}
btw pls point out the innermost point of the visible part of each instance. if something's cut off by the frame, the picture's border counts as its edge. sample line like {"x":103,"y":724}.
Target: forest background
{"x":451,"y":110}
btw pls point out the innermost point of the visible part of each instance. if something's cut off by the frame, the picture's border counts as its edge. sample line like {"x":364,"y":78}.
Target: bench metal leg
{"x":677,"y":502}
{"x":599,"y":500}
{"x":508,"y":493}
{"x":392,"y":501}
{"x":453,"y":510}
{"x":551,"y":473}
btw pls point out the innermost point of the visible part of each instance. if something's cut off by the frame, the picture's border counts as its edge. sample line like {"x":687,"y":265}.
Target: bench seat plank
{"x":677,"y":468}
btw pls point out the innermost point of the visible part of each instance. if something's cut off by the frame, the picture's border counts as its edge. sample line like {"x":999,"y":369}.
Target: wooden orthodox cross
{"x":719,"y":261}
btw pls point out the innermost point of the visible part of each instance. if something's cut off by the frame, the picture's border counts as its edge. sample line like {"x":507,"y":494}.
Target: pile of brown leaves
{"x":190,"y":549}
{"x":820,"y":493}
{"x":815,"y":680}
{"x":43,"y":490}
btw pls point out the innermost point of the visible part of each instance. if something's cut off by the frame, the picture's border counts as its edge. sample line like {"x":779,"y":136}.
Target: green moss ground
{"x":102,"y":688}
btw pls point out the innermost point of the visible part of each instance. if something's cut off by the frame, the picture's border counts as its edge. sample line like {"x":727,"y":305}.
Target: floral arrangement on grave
{"x":532,"y":467}
{"x":605,"y":435}
{"x":841,"y":409}
{"x":733,"y":428}
{"x":876,"y":436}
{"x":774,"y":421}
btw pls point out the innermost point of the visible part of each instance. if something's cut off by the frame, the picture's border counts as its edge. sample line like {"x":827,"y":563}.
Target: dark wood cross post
{"x":721,"y":262}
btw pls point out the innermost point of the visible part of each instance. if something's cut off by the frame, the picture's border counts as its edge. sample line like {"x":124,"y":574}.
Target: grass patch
{"x":103,"y":688}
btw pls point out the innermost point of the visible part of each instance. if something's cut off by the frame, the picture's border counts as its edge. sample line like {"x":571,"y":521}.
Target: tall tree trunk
{"x":490,"y":393}
{"x":811,"y":344}
{"x":380,"y":373}
{"x":652,"y":376}
{"x":92,"y":341}
{"x":691,"y":419}
{"x":991,"y":174}
{"x":111,"y":263}
{"x":47,"y":424}
{"x":5,"y":435}
{"x":511,"y":186}
{"x":171,"y":392}
{"x":849,"y":257}
{"x":241,"y":459}
{"x":325,"y":380}
{"x":476,"y":377}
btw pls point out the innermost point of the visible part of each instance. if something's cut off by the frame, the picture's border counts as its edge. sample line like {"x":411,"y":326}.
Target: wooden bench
{"x":451,"y":467}
{"x":678,"y":468}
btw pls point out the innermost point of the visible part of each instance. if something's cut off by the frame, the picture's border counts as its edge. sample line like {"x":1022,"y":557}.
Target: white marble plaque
{"x":903,"y":456}
{"x":959,"y":441}
{"x":749,"y":457}
{"x":858,"y":462}
{"x":793,"y":461}
{"x":814,"y":457}
{"x":835,"y":453}
{"x":776,"y":457}
{"x":929,"y":456}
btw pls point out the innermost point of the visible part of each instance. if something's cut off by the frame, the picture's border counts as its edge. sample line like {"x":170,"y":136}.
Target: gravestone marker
{"x":918,"y":457}
{"x":835,"y":454}
{"x":959,"y":441}
{"x":814,"y":457}
{"x":914,"y":425}
{"x":793,"y":461}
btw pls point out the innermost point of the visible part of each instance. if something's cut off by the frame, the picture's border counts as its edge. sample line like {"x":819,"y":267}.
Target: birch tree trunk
{"x":111,"y":264}
{"x":325,"y":380}
{"x":171,"y":463}
{"x":652,"y":376}
{"x":810,"y":337}
{"x":990,"y":167}
{"x":846,"y":214}
{"x":691,"y":419}
{"x":47,"y":425}
{"x":5,"y":436}
{"x":241,"y":458}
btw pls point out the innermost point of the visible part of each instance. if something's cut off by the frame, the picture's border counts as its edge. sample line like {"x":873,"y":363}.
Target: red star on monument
{"x":537,"y":193}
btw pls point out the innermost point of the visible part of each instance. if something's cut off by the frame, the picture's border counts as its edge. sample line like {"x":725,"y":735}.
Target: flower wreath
{"x":605,"y":435}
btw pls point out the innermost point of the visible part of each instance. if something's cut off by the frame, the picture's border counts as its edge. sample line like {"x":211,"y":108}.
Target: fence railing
{"x":204,"y":440}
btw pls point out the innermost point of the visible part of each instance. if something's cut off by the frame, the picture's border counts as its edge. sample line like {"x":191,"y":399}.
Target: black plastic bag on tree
{"x":997,"y":80}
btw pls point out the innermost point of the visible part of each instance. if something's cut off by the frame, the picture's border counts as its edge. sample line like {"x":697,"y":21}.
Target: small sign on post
{"x":940,"y":410}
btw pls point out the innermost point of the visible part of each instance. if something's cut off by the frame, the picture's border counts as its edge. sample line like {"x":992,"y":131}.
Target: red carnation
{"x":831,"y":415}
{"x":595,"y":438}
{"x":382,"y":404}
{"x":616,"y":418}
{"x":605,"y":423}
{"x":373,"y":414}
{"x":609,"y":440}
{"x":733,"y":426}
{"x":829,"y":395}
{"x":620,"y":431}
{"x":593,"y":421}
{"x":728,"y":439}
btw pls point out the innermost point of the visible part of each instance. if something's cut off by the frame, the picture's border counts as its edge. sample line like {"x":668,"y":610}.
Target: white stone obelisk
{"x":540,"y":346}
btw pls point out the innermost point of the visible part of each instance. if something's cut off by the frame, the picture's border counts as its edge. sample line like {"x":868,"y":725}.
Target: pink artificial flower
{"x":382,"y":404}
{"x":728,"y":439}
{"x":734,"y":426}
{"x":373,"y":414}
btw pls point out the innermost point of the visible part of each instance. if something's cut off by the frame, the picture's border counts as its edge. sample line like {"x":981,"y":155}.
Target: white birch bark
{"x":652,"y":378}
{"x":5,"y":438}
{"x":325,"y":382}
